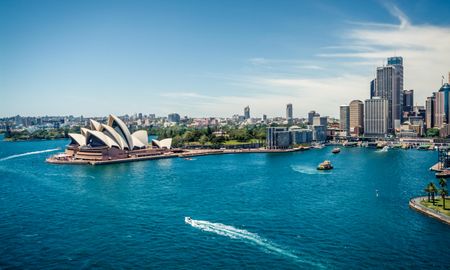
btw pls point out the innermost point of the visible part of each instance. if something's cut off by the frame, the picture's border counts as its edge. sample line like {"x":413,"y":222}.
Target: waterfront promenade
{"x":56,"y":159}
{"x":415,"y":204}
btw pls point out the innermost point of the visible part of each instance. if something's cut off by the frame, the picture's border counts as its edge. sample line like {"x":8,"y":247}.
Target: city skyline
{"x":208,"y":67}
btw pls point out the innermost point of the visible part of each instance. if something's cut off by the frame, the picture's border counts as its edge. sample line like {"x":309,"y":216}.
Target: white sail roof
{"x":102,"y":137}
{"x":78,"y":138}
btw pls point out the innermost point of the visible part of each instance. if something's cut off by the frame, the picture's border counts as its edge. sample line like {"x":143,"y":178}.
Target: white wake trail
{"x":252,"y":238}
{"x":29,"y":153}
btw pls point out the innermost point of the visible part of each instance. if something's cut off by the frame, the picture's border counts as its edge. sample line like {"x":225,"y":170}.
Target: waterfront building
{"x":320,"y":120}
{"x":300,"y":136}
{"x":111,"y":141}
{"x":174,"y":118}
{"x":311,"y":115}
{"x":247,"y":112}
{"x":282,"y":137}
{"x":344,"y":120}
{"x":319,"y":133}
{"x":429,"y":111}
{"x":356,"y":117}
{"x":376,"y":116}
{"x":289,"y":113}
{"x":278,"y":138}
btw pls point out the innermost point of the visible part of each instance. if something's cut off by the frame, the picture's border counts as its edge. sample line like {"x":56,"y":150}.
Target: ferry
{"x":336,"y":150}
{"x":324,"y":166}
{"x":443,"y":174}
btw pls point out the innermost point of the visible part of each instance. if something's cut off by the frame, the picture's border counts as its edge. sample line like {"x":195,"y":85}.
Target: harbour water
{"x":259,"y":211}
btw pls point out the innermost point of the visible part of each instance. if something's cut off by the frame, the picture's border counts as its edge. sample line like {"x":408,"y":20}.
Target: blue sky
{"x":212,"y":58}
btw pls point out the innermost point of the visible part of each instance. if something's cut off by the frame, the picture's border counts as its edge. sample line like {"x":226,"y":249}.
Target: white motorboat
{"x":188,"y":220}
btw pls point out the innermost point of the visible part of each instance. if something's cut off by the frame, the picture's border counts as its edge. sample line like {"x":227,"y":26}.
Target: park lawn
{"x":234,"y":142}
{"x":438,"y":206}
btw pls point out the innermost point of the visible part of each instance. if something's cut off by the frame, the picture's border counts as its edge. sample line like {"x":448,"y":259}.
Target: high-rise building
{"x":173,"y":117}
{"x":445,"y":90}
{"x":439,"y":109}
{"x":356,"y":117}
{"x":376,"y":116}
{"x":247,"y":112}
{"x":429,"y":114}
{"x":408,"y":100}
{"x":289,"y":113}
{"x":373,"y":87}
{"x":264,"y":118}
{"x":311,"y":115}
{"x":320,"y":121}
{"x":344,"y":120}
{"x":388,"y":86}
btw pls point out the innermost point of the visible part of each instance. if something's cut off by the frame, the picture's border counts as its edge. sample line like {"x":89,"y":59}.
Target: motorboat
{"x":188,"y":220}
{"x":324,"y":166}
{"x":336,"y":150}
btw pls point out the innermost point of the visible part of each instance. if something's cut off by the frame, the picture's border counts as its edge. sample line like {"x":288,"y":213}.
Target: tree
{"x":428,"y":191}
{"x":444,"y":193}
{"x":203,"y":139}
{"x":434,"y":191}
{"x":442,"y":182}
{"x":432,"y":132}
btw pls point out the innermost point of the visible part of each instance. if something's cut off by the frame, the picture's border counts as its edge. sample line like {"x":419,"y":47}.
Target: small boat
{"x":188,"y":220}
{"x":336,"y":150}
{"x":385,"y":149}
{"x":443,"y":174}
{"x":326,"y":165}
{"x":188,"y":158}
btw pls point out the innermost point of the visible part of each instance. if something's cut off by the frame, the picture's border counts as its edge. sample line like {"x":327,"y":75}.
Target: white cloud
{"x":337,"y":75}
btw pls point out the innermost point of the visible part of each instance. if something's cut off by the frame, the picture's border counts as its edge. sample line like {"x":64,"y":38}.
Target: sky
{"x":212,"y":58}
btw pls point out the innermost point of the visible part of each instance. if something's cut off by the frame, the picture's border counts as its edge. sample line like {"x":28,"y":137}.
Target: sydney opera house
{"x":109,"y":142}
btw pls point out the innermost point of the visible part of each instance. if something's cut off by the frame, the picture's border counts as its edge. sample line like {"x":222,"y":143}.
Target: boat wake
{"x":249,"y":237}
{"x":305,"y":169}
{"x":29,"y":153}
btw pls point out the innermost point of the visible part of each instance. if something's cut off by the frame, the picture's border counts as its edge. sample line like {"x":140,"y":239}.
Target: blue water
{"x":259,"y":211}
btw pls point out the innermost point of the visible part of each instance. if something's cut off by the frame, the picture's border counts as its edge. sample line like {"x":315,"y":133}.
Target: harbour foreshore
{"x":172,"y":154}
{"x":414,"y":203}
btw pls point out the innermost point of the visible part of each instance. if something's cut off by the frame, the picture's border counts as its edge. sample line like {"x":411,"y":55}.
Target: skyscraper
{"x":311,"y":115}
{"x":174,"y":117}
{"x":376,"y":116}
{"x":439,"y":109}
{"x":356,"y":117}
{"x":344,"y":121}
{"x":445,"y":89}
{"x":429,"y":114}
{"x":373,"y":87}
{"x":247,"y":112}
{"x":408,"y":100}
{"x":289,"y":113}
{"x":387,"y":87}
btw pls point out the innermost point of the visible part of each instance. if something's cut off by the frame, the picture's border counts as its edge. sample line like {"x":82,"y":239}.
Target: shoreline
{"x":414,"y":203}
{"x":186,"y":154}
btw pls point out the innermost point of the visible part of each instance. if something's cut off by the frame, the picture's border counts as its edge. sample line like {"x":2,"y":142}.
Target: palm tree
{"x":434,"y":191}
{"x":442,"y":182}
{"x":444,"y":193}
{"x":428,"y":191}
